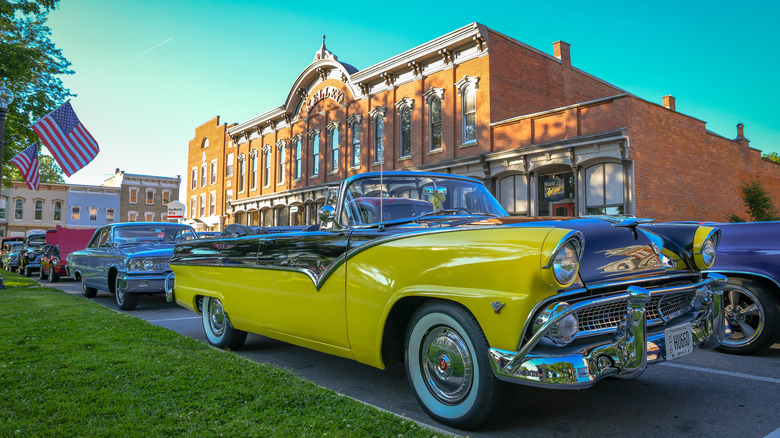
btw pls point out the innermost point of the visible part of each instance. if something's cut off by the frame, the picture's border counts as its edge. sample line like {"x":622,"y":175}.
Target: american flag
{"x":27,"y":162}
{"x":66,"y":137}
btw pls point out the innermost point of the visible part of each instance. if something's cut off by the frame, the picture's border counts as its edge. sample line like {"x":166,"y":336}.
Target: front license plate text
{"x":679,"y":341}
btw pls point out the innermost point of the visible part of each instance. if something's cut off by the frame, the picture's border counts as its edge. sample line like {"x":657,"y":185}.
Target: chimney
{"x":116,"y":171}
{"x":741,"y":135}
{"x":561,"y":51}
{"x":668,"y":102}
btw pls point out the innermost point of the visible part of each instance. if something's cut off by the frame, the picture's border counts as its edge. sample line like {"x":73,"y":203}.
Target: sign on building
{"x":176,"y":210}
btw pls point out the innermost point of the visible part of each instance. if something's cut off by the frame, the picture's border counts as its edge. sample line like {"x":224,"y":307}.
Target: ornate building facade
{"x":547,"y":138}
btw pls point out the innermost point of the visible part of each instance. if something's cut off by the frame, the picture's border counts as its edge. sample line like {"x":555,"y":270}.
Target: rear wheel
{"x":219,"y":331}
{"x":753,"y":311}
{"x":448,"y":367}
{"x":89,"y":292}
{"x":125,"y":300}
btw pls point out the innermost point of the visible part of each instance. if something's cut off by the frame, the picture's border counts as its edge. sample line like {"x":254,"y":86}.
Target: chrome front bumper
{"x":141,"y":283}
{"x":627,"y":352}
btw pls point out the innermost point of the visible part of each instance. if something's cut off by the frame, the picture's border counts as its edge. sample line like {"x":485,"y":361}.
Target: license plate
{"x":679,"y":341}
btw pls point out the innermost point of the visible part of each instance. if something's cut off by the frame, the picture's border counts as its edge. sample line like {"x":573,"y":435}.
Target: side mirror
{"x":327,"y":214}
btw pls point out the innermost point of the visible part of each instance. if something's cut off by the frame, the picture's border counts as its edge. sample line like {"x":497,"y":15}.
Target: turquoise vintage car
{"x":127,"y":260}
{"x":426,"y":269}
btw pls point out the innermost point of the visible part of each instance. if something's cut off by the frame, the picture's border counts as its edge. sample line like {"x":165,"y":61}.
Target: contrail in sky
{"x":142,"y":54}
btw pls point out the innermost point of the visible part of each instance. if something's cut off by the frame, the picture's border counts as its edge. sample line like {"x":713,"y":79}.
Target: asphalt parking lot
{"x":703,"y":394}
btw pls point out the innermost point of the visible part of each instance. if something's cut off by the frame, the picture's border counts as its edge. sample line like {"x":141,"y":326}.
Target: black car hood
{"x":614,"y":253}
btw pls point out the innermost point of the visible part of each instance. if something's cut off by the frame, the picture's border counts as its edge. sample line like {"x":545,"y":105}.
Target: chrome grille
{"x":162,"y":264}
{"x":593,"y":320}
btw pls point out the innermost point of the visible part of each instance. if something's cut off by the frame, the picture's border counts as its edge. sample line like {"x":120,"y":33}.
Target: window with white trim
{"x":133,"y":195}
{"x":213,"y":172}
{"x":203,"y":175}
{"x":150,"y":196}
{"x":109,"y":215}
{"x":333,"y":149}
{"x":229,"y":166}
{"x":203,"y":205}
{"x":75,"y":211}
{"x":57,"y":211}
{"x":281,"y":152}
{"x":194,"y":182}
{"x":467,"y":88}
{"x":314,"y":141}
{"x":38,"y":210}
{"x":267,"y":166}
{"x":604,"y":184}
{"x":148,"y":216}
{"x":298,"y":171}
{"x":354,"y":128}
{"x":378,"y":123}
{"x":212,"y":203}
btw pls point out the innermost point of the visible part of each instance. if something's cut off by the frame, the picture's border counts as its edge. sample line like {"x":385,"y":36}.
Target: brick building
{"x":546,"y":137}
{"x":144,"y":198}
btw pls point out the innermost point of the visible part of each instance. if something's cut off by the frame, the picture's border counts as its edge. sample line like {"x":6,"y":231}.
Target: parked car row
{"x":428,"y":269}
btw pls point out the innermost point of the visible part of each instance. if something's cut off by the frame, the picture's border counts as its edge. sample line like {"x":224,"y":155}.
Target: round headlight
{"x":708,"y":251}
{"x":148,"y":264}
{"x":565,"y":264}
{"x":134,"y":265}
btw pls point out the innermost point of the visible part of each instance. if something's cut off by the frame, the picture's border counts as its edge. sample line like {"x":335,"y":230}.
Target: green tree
{"x":774,"y":156}
{"x":29,"y":65}
{"x":49,"y":169}
{"x":758,"y":203}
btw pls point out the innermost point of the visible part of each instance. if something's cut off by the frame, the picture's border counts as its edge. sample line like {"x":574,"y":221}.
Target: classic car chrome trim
{"x":746,"y":273}
{"x":571,"y":235}
{"x":627,"y":352}
{"x":168,"y":287}
{"x":628,"y":282}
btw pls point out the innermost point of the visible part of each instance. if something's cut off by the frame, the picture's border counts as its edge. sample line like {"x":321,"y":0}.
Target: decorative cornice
{"x":314,"y":132}
{"x":354,"y":118}
{"x":281,"y":144}
{"x":387,"y":78}
{"x":253,"y":153}
{"x":378,"y":110}
{"x":405,"y":102}
{"x":446,"y":55}
{"x":433,"y":92}
{"x":296,"y":138}
{"x":266,"y":148}
{"x":466,"y":81}
{"x":331,"y":126}
{"x":241,"y":157}
{"x":416,"y":67}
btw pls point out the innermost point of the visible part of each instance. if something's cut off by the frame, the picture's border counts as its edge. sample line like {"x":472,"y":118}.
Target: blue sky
{"x":147,"y":73}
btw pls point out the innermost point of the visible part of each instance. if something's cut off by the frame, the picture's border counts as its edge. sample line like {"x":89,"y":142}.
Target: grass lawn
{"x":70,"y":367}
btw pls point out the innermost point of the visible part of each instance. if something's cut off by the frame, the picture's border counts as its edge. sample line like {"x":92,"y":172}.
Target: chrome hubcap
{"x":745,"y":314}
{"x":447,"y":365}
{"x":216,"y":317}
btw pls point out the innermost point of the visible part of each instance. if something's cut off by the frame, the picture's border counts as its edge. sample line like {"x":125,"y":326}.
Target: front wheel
{"x":27,"y":271}
{"x":219,"y":331}
{"x":40,"y":273}
{"x":89,"y":292}
{"x":448,"y":367}
{"x":125,"y":300}
{"x":753,"y":311}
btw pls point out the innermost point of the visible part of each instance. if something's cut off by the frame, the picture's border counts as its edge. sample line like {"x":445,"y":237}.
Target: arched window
{"x":469,"y":114}
{"x":333,"y":140}
{"x":378,"y":118}
{"x":281,"y":150}
{"x":434,"y":116}
{"x":314,"y":138}
{"x":298,"y":157}
{"x":205,"y":143}
{"x":38,"y":210}
{"x":266,"y":166}
{"x":467,"y":87}
{"x":513,"y":194}
{"x":253,"y":169}
{"x":354,"y":128}
{"x":604,"y":184}
{"x":405,"y":112}
{"x":19,"y":209}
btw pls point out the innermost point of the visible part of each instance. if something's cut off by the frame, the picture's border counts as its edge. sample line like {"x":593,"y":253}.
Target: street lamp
{"x":6,"y":97}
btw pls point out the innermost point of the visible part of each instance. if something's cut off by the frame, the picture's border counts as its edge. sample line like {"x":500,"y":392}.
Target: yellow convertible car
{"x":427,"y":269}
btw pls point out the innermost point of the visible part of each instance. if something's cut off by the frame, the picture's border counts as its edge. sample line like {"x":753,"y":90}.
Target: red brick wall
{"x":683,"y":172}
{"x":217,"y":137}
{"x":526,"y":81}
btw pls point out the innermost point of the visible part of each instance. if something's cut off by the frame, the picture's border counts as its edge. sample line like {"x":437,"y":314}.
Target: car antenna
{"x":381,"y":227}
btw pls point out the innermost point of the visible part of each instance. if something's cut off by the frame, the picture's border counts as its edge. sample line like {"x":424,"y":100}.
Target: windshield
{"x":369,"y":201}
{"x":36,"y":240}
{"x":151,"y":233}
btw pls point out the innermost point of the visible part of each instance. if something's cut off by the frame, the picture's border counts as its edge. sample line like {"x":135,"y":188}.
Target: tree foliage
{"x":758,"y":203}
{"x":774,"y":156}
{"x":29,"y":66}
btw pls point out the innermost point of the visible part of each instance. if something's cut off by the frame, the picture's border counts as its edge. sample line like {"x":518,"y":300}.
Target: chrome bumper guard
{"x":627,"y":353}
{"x":168,"y":286}
{"x":141,"y":283}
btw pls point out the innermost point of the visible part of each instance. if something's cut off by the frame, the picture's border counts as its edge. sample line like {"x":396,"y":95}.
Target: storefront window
{"x":556,"y":194}
{"x":513,"y":194}
{"x":605,"y":189}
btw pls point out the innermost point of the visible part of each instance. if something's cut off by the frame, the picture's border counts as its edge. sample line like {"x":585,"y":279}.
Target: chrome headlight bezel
{"x":134,"y":264}
{"x":562,"y":332}
{"x":148,"y":264}
{"x":565,"y":259}
{"x":706,"y":247}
